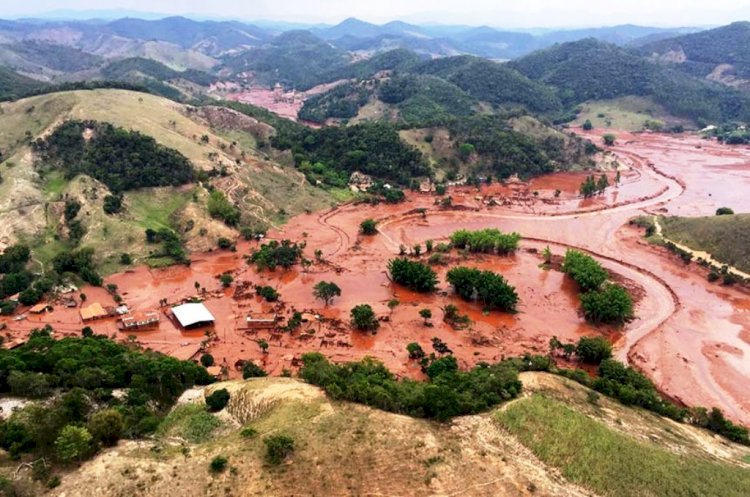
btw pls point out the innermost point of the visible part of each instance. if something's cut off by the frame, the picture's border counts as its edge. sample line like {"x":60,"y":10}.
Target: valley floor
{"x":690,"y":337}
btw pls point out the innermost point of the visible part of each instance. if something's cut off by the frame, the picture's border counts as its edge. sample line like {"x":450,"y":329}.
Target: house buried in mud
{"x":192,"y":315}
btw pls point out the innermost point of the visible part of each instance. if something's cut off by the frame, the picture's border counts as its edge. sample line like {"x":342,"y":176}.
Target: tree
{"x":413,"y":275}
{"x":72,"y":444}
{"x":326,"y":291}
{"x":593,"y":350}
{"x":392,"y":304}
{"x":603,"y":183}
{"x":106,"y":426}
{"x":252,"y":370}
{"x":278,"y":448}
{"x":218,"y":463}
{"x":587,"y":126}
{"x":368,"y":227}
{"x":363,"y":318}
{"x":87,"y":332}
{"x":484,"y":286}
{"x":584,"y":270}
{"x":612,"y":304}
{"x":263,"y":344}
{"x":112,"y":204}
{"x":465,"y":151}
{"x":609,"y":139}
{"x":218,"y":400}
{"x":226,"y":279}
{"x":415,"y":351}
{"x":425,"y":314}
{"x":126,"y":259}
{"x":207,"y":360}
{"x":724,"y":211}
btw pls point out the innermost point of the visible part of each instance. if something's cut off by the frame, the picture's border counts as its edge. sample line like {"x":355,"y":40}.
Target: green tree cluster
{"x":413,"y":275}
{"x":486,"y":287}
{"x":272,"y":254}
{"x":489,"y":240}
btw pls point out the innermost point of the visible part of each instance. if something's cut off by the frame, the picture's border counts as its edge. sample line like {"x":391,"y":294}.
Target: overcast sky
{"x":501,"y":13}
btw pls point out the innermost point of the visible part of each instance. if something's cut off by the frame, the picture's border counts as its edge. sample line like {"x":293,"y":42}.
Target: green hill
{"x":13,"y":84}
{"x":700,"y":53}
{"x":726,"y":238}
{"x":558,"y":440}
{"x":592,"y":70}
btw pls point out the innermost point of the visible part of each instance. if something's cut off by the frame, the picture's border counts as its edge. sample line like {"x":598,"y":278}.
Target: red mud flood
{"x":692,"y":338}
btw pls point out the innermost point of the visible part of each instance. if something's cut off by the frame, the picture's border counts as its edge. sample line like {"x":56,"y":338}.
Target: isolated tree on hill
{"x":263,"y":346}
{"x":415,"y":351}
{"x":587,"y":126}
{"x":609,"y":139}
{"x":326,"y":291}
{"x":724,"y":211}
{"x":603,"y":183}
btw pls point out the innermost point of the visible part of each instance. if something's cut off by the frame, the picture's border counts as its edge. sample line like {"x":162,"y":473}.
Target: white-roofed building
{"x":192,"y":315}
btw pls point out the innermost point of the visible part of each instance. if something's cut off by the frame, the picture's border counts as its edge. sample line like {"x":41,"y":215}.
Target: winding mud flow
{"x":691,"y":337}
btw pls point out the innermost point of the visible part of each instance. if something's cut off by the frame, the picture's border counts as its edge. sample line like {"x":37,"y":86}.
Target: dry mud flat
{"x":692,"y":338}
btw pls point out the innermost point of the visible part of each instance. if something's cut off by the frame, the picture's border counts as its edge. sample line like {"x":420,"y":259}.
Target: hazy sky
{"x":518,"y":13}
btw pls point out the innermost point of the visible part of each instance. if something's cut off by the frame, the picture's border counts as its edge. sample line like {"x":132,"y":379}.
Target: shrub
{"x":488,"y":240}
{"x":106,"y":426}
{"x":724,"y":211}
{"x":269,"y":293}
{"x":207,"y":360}
{"x":224,"y":243}
{"x":112,"y":204}
{"x":272,"y":254}
{"x":220,"y":208}
{"x":248,"y":432}
{"x":278,"y":448}
{"x":415,"y":351}
{"x":612,"y":304}
{"x":218,"y":464}
{"x":368,"y":227}
{"x":252,"y":370}
{"x":218,"y":400}
{"x":363,"y":318}
{"x":593,"y":350}
{"x":226,"y":279}
{"x":72,"y":444}
{"x":126,"y":259}
{"x":413,"y":275}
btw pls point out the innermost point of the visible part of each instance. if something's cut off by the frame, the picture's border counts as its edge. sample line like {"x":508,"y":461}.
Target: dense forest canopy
{"x":121,"y":159}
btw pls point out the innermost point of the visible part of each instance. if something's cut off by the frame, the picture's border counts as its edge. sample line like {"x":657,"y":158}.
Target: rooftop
{"x":192,"y":314}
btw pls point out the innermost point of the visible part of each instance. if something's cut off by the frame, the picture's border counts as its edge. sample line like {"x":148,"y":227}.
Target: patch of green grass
{"x":191,"y":422}
{"x":626,"y":113}
{"x":341,"y":194}
{"x":726,"y":238}
{"x":54,"y":184}
{"x":153,"y":209}
{"x":589,"y":453}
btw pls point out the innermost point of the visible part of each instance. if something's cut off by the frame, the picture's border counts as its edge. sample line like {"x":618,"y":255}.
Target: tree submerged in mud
{"x":270,"y":255}
{"x":486,"y":287}
{"x":326,"y":291}
{"x":413,"y":275}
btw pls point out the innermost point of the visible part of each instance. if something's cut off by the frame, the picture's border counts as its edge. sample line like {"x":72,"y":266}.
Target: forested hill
{"x":593,"y":70}
{"x":700,"y":53}
{"x":13,"y":85}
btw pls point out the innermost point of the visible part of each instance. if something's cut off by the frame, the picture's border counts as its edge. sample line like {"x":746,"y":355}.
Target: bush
{"x":447,"y":393}
{"x":368,"y":227}
{"x":593,"y":350}
{"x":226,"y":280}
{"x":270,"y":255}
{"x":363,"y":318}
{"x":252,"y":370}
{"x":612,"y":304}
{"x":269,"y":293}
{"x":73,"y":444}
{"x":488,"y":240}
{"x":112,"y":204}
{"x":220,"y":208}
{"x":724,"y":211}
{"x":248,"y":432}
{"x":218,"y":464}
{"x":485,"y":286}
{"x":413,"y":275}
{"x":218,"y":400}
{"x":126,"y":259}
{"x":207,"y":360}
{"x":585,"y":271}
{"x":106,"y":426}
{"x":224,"y":243}
{"x":278,"y":448}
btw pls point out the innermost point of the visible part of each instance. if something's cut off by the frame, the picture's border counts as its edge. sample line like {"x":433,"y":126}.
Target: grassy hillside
{"x":627,"y":113}
{"x":346,"y":449}
{"x":29,"y":206}
{"x":13,"y":84}
{"x":726,"y":238}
